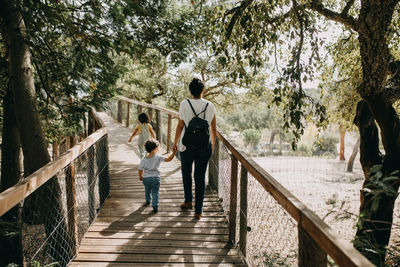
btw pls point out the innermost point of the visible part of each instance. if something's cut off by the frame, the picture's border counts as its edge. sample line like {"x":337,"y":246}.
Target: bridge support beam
{"x":243,"y":210}
{"x":119,"y":113}
{"x":127,"y":113}
{"x":310,"y":254}
{"x":213,"y":171}
{"x":233,"y":200}
{"x":158,"y":126}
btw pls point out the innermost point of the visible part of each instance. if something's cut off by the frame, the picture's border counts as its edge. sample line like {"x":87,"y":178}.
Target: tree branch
{"x":346,"y":9}
{"x":345,"y":19}
{"x":237,"y":12}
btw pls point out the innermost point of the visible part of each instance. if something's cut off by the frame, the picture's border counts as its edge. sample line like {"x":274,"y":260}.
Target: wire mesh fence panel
{"x":57,"y":215}
{"x":133,"y":116}
{"x":112,"y":109}
{"x":224,"y":176}
{"x":272,"y":239}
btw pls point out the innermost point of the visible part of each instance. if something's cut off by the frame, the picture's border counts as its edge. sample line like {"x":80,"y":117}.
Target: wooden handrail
{"x":342,"y":252}
{"x":10,"y":197}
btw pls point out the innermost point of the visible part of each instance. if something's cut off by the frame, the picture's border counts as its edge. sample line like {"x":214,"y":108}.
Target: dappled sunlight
{"x":127,"y":230}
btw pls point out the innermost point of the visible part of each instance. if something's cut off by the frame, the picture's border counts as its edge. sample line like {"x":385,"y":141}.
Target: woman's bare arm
{"x":178,"y":132}
{"x":213,"y":131}
{"x":133,"y":134}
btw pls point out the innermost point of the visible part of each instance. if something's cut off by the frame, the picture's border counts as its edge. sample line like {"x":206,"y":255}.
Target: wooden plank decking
{"x":127,"y":233}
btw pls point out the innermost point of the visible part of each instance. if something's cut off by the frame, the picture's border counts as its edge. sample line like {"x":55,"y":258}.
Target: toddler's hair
{"x":151,"y":144}
{"x":143,"y":118}
{"x":196,"y":86}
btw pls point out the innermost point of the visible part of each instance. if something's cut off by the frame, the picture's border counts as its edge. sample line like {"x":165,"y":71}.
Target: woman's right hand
{"x":174,"y":147}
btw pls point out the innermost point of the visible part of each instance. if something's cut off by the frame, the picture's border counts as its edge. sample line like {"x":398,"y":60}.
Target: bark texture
{"x":342,"y":134}
{"x":353,"y":155}
{"x":45,"y":205}
{"x":378,"y":194}
{"x":10,"y":247}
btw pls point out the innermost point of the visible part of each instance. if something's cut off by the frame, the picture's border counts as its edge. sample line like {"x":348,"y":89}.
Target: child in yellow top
{"x":144,"y":130}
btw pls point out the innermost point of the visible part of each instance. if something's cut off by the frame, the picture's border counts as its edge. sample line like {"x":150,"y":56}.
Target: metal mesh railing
{"x":267,"y":225}
{"x":55,"y":217}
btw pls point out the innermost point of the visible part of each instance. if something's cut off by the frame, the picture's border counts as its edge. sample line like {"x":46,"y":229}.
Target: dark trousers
{"x":200,"y":160}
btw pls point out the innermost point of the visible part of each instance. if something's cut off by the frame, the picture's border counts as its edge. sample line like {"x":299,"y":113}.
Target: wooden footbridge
{"x":102,"y":219}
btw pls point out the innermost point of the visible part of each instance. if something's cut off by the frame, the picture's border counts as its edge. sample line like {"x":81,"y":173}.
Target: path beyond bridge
{"x":126,"y":232}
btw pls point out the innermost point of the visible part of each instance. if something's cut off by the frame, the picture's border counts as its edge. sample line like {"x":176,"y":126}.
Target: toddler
{"x":144,"y":130}
{"x":149,"y":171}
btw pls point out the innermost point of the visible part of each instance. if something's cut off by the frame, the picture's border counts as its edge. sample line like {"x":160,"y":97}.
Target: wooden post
{"x":150,"y":113}
{"x":213,"y":171}
{"x":91,"y":123}
{"x":127,"y":113}
{"x":102,"y":163}
{"x":55,"y":149}
{"x":233,"y":200}
{"x":310,"y":254}
{"x":243,"y":210}
{"x":158,"y":126}
{"x":70,"y":185}
{"x":169,"y":133}
{"x":119,"y":113}
{"x":90,"y":170}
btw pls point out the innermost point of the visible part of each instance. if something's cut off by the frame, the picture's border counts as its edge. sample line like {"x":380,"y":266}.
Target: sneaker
{"x":186,"y":205}
{"x":155,"y":210}
{"x":197,"y":216}
{"x":147,"y":203}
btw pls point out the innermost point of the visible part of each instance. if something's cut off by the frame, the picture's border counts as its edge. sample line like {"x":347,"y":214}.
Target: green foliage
{"x":144,"y":78}
{"x":8,"y":230}
{"x":341,"y":78}
{"x":251,"y":137}
{"x":74,"y":46}
{"x":38,"y":264}
{"x":380,"y":185}
{"x":304,"y":150}
{"x":325,"y":145}
{"x":251,"y":118}
{"x":278,"y":260}
{"x":252,"y":33}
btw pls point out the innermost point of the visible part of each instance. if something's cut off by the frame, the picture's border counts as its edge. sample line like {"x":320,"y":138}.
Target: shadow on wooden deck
{"x":128,"y":233}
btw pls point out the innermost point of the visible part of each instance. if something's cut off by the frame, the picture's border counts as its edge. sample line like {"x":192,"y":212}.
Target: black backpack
{"x":197,"y":134}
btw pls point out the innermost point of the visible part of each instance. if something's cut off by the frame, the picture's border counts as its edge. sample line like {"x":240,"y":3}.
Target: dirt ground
{"x":325,"y":187}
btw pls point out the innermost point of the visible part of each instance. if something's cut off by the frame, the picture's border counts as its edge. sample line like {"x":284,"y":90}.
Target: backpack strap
{"x":193,"y":109}
{"x":204,"y":110}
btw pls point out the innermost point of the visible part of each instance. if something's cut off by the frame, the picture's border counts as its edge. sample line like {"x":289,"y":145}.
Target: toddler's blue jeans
{"x":151,"y":189}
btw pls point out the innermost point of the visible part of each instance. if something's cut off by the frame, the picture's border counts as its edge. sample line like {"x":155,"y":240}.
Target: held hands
{"x":174,"y":148}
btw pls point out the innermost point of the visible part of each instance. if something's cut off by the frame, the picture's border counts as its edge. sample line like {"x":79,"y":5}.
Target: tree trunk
{"x":45,"y":204}
{"x":350,"y":163}
{"x":379,"y":194}
{"x":10,"y":247}
{"x":376,"y":209}
{"x":342,"y":134}
{"x":271,"y":139}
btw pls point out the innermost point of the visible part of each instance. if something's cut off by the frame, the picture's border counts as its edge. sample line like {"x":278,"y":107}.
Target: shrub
{"x":325,"y":145}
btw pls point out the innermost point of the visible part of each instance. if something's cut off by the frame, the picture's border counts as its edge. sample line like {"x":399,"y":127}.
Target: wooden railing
{"x":75,"y":174}
{"x":316,"y":239}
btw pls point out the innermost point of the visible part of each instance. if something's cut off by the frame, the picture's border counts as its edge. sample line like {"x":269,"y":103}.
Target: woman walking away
{"x":144,"y":130}
{"x":195,"y":142}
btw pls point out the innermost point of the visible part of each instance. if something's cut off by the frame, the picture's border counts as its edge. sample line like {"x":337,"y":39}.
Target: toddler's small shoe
{"x":147,"y":203}
{"x":197,"y":216}
{"x":155,"y":210}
